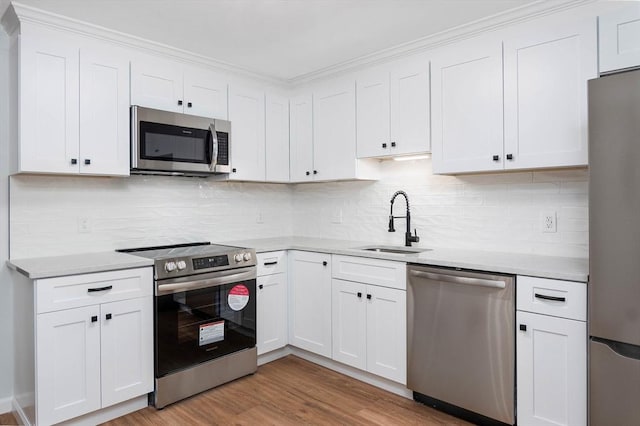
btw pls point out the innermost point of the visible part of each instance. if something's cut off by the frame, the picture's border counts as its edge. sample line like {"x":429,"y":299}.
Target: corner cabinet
{"x":619,"y":38}
{"x":542,"y":76}
{"x":551,"y":352}
{"x":277,"y":138}
{"x":73,"y":106}
{"x":92,"y":347}
{"x":310,"y":301}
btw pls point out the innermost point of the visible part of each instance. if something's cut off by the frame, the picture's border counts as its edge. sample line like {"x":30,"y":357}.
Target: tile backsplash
{"x":52,"y":215}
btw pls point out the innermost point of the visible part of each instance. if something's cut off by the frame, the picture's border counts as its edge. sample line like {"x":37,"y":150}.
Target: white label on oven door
{"x":211,"y":332}
{"x":238,"y":297}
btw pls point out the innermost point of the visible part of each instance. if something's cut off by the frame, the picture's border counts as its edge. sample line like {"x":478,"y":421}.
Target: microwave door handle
{"x":213,"y":146}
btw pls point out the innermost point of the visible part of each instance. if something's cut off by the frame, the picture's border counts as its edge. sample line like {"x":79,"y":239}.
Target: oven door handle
{"x":212,"y":138}
{"x":223,"y":278}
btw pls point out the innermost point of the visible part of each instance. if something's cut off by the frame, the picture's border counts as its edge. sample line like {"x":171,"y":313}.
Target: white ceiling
{"x":285,"y":39}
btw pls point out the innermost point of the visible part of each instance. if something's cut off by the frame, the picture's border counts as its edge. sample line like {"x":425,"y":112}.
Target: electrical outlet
{"x":259,"y":217}
{"x":548,"y":221}
{"x":84,"y":225}
{"x":337,"y":216}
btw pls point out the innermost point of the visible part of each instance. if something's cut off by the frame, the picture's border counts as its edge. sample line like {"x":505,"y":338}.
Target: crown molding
{"x":501,"y":20}
{"x":25,"y":13}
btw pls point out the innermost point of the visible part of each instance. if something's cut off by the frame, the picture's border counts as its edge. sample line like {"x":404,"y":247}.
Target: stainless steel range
{"x":204,"y":317}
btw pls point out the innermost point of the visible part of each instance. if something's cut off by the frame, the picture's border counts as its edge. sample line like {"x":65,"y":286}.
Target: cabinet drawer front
{"x":54,"y":294}
{"x":565,"y":299}
{"x":370,"y":271}
{"x":274,"y":262}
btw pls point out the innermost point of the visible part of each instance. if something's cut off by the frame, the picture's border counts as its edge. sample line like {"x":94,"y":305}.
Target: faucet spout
{"x":408,"y":238}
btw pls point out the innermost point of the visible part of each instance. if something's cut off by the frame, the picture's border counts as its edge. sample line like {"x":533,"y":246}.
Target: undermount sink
{"x":395,"y":250}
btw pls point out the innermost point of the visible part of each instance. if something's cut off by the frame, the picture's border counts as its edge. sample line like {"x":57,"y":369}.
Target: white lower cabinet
{"x":369,"y":324}
{"x":310,"y":301}
{"x":272,"y":301}
{"x":97,"y":355}
{"x":551,"y":353}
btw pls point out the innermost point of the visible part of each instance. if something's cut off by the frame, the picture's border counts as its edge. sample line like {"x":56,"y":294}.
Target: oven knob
{"x":170,"y":266}
{"x":246,"y":256}
{"x":181,"y":265}
{"x":238,"y":257}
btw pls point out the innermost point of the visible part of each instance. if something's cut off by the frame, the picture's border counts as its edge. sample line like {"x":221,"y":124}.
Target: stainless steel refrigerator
{"x":614,"y":249}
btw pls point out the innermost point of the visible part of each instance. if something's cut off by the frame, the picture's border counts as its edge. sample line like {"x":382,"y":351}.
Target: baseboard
{"x":19,"y":413}
{"x":5,"y":404}
{"x":274,"y":355}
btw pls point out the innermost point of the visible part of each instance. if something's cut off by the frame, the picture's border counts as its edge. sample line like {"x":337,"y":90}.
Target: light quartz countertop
{"x":563,"y":268}
{"x":56,"y":266}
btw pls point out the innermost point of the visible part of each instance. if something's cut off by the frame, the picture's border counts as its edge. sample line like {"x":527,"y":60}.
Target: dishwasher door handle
{"x":459,"y":280}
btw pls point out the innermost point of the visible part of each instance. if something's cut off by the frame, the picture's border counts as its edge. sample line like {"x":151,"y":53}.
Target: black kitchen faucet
{"x":408,"y":238}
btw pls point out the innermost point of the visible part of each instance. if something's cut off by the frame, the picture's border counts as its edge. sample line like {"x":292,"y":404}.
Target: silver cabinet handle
{"x":459,"y":280}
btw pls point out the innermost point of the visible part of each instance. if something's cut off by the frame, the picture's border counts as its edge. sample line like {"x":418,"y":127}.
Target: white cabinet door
{"x":334,"y":131}
{"x":127,"y":349}
{"x":310,"y":301}
{"x":387,"y":333}
{"x":349,"y":326}
{"x":545,"y":90}
{"x":551,"y":370}
{"x":67,"y":364}
{"x":467,"y":107}
{"x":205,"y":94}
{"x":372,"y":98}
{"x":49,"y":136}
{"x":104,"y":113}
{"x":301,"y":139}
{"x":619,"y":38}
{"x":246,"y":113}
{"x":272,"y":312}
{"x":277,"y":139}
{"x":157,"y":83}
{"x":410,"y":109}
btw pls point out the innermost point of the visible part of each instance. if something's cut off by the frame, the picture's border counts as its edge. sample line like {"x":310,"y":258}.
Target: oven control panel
{"x":210,"y":262}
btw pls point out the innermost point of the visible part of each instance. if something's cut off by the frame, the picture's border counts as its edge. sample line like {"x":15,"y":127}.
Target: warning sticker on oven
{"x":238,"y":297}
{"x":211,"y":332}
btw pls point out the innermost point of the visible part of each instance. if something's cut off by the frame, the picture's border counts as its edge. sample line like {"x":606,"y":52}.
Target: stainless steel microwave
{"x":169,"y":143}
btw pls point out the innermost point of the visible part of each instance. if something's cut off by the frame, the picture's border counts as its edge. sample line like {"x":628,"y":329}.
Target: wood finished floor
{"x":289,"y":391}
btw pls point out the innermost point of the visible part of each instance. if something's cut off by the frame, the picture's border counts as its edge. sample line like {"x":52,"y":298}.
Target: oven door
{"x":203,"y":318}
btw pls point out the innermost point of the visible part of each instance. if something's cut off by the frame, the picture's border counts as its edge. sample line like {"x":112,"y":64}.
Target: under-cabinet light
{"x":412,"y":157}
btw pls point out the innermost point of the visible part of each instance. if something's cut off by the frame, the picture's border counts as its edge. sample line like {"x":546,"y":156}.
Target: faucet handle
{"x":414,"y":237}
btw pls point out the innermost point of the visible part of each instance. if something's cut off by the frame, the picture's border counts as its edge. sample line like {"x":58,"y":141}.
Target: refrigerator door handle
{"x":623,"y":349}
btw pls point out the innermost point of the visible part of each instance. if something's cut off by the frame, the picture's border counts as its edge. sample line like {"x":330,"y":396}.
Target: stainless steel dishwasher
{"x":461,"y":342}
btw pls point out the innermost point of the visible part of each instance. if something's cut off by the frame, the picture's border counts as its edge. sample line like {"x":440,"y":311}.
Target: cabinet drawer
{"x":565,"y":299}
{"x":273,"y":262}
{"x":54,"y":294}
{"x":385,"y":273}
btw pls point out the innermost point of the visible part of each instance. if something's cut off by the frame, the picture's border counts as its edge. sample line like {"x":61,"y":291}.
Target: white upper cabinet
{"x":393,"y":110}
{"x":277,"y":139}
{"x":546,"y":69}
{"x":619,"y":38}
{"x":467,"y":107}
{"x":247,"y":116}
{"x":74,"y":105}
{"x":301,"y":138}
{"x":104,"y":112}
{"x":171,"y":86}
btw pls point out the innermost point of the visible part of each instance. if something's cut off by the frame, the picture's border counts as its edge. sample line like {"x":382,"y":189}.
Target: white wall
{"x":498,"y":212}
{"x":6,"y":311}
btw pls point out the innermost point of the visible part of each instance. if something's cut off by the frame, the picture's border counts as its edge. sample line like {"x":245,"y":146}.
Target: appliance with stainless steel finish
{"x":204,"y":317}
{"x":169,"y":143}
{"x":461,"y":342}
{"x":614,"y":249}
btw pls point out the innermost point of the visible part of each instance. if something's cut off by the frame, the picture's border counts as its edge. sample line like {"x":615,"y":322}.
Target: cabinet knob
{"x":189,"y":104}
{"x":523,"y":327}
{"x":393,"y":144}
{"x":384,"y":145}
{"x":74,"y":161}
{"x":496,"y":158}
{"x":94,"y":318}
{"x":87,"y":161}
{"x":261,"y":286}
{"x":359,"y":295}
{"x":315,"y":172}
{"x":108,"y":316}
{"x":324,"y":263}
{"x":179,"y":101}
{"x":368,"y":297}
{"x":509,"y":156}
{"x":233,"y":170}
{"x":308,"y":173}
